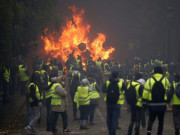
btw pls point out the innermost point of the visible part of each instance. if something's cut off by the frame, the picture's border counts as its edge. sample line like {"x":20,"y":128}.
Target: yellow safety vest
{"x":94,"y":94}
{"x":106,"y":72}
{"x":76,"y":100}
{"x":79,"y":75}
{"x":6,"y":74}
{"x":121,"y":93}
{"x":42,"y":73}
{"x":22,"y":74}
{"x":137,"y":86}
{"x":56,"y":98}
{"x":49,"y":92}
{"x":121,"y":80}
{"x":70,"y":72}
{"x":78,"y":63}
{"x":37,"y":92}
{"x":83,"y":95}
{"x":175,"y":99}
{"x":149,"y":85}
{"x":99,"y":63}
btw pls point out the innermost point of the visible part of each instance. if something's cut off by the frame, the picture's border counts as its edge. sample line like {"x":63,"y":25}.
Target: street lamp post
{"x":169,"y":22}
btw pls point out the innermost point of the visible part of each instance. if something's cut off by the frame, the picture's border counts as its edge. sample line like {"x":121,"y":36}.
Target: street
{"x":97,"y":129}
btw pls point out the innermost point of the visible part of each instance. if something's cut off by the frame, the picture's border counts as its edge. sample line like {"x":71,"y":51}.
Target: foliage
{"x":21,"y":24}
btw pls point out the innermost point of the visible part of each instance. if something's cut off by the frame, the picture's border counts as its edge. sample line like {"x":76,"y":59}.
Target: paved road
{"x":99,"y":128}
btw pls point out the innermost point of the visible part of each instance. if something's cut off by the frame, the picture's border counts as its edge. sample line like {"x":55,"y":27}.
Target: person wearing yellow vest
{"x":46,"y":93}
{"x":5,"y":83}
{"x":136,"y":107}
{"x":61,"y":70}
{"x":84,"y":102}
{"x":155,"y":96}
{"x":59,"y":103}
{"x":71,"y":68}
{"x":44,"y":82}
{"x":79,"y":63}
{"x":114,"y":98}
{"x":24,"y":78}
{"x":175,"y":102}
{"x":73,"y":89}
{"x":99,"y":63}
{"x":94,"y":96}
{"x":107,"y":69}
{"x":35,"y":103}
{"x":75,"y":72}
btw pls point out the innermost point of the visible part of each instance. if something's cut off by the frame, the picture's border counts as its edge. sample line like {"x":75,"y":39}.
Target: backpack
{"x":158,"y":91}
{"x":113,"y":92}
{"x":131,"y":95}
{"x":177,"y":90}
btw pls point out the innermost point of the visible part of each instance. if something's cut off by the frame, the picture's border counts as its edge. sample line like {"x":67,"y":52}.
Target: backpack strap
{"x":154,"y":80}
{"x":159,"y":80}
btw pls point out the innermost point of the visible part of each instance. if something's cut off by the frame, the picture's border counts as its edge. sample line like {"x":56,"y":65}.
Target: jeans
{"x":91,"y":111}
{"x":49,"y":114}
{"x":35,"y":116}
{"x":74,"y":107}
{"x":176,"y":120}
{"x":84,"y":112}
{"x":112,"y":117}
{"x":55,"y":116}
{"x":135,"y":118}
{"x":29,"y":113}
{"x":143,"y":118}
{"x":152,"y":117}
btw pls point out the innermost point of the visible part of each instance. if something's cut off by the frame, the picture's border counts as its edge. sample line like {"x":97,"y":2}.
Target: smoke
{"x":141,"y":23}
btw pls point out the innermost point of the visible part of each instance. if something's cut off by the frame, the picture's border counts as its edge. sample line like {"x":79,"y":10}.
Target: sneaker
{"x":33,"y":130}
{"x":66,"y":130}
{"x":27,"y":128}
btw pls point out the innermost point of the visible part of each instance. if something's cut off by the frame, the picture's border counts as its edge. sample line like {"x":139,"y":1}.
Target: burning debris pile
{"x":74,"y":40}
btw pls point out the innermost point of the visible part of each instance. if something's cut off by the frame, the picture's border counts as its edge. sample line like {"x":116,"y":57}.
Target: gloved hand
{"x":40,"y":104}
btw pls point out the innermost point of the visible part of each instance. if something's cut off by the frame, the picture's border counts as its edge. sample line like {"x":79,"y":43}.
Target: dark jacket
{"x":32,"y":94}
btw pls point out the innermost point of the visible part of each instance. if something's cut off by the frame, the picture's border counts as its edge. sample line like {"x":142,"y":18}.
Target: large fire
{"x":74,"y":33}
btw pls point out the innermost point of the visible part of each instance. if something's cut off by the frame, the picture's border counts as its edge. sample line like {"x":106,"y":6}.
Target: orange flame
{"x":73,"y":33}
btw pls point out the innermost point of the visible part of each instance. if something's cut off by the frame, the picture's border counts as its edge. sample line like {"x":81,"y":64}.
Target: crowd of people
{"x":145,"y":84}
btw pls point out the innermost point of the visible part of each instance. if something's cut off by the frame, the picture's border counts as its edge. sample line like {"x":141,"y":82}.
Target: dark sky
{"x":144,"y":23}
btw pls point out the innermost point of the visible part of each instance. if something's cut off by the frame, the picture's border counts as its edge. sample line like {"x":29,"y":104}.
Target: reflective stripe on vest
{"x":56,"y":98}
{"x":37,"y":92}
{"x":83,"y":95}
